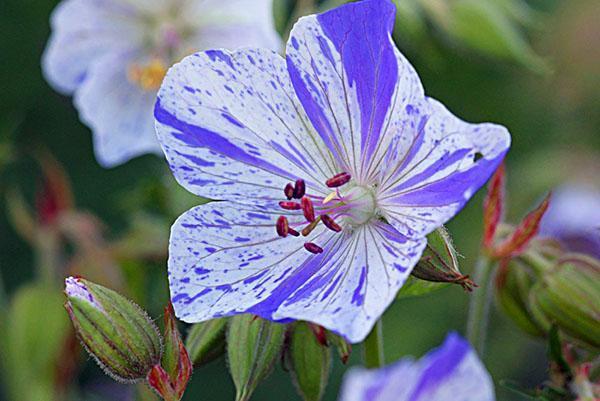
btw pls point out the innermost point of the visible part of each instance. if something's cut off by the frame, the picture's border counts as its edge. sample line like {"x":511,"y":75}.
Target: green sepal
{"x":253,"y":346}
{"x":206,"y":341}
{"x":310,"y":362}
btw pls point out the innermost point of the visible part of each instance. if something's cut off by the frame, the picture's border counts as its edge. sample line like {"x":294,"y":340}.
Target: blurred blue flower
{"x":331,"y":167}
{"x":113,"y":54}
{"x":452,"y":372}
{"x":573,"y":218}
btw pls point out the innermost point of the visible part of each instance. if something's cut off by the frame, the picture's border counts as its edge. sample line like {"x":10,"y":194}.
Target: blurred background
{"x":533,"y":66}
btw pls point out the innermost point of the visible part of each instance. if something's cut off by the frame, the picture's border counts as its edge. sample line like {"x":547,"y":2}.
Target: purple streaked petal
{"x":82,"y":32}
{"x":224,"y":260}
{"x":437,"y":171}
{"x":225,"y":257}
{"x":233,"y":118}
{"x":452,"y":372}
{"x":348,"y":287}
{"x":118,"y":112}
{"x":350,"y":79}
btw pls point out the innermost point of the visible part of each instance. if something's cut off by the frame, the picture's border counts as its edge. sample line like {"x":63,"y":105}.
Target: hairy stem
{"x":373,"y":347}
{"x":479,"y":306}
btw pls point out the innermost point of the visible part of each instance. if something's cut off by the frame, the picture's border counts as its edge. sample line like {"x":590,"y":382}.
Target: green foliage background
{"x":550,"y":105}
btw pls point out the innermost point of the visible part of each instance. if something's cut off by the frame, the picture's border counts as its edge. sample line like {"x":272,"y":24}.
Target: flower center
{"x":147,"y":76}
{"x":354,"y":208}
{"x":363,"y":206}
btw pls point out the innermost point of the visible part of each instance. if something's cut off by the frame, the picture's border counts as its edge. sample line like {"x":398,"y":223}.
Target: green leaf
{"x":311,"y":363}
{"x":206,"y":341}
{"x":253,"y":346}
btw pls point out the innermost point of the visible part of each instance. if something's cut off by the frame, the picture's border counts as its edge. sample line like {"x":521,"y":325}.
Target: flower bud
{"x":253,"y":346}
{"x":513,"y":284}
{"x":206,"y":340}
{"x":569,"y":296}
{"x":439,"y":262}
{"x":116,"y":332}
{"x":310,"y":361}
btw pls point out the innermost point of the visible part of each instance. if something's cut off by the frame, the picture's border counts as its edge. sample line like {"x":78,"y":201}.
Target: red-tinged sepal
{"x":523,"y":234}
{"x":320,"y":333}
{"x":493,"y":206}
{"x":171,"y":377}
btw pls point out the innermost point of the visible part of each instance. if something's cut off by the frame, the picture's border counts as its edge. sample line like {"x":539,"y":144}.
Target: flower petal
{"x":232,"y":128}
{"x":350,"y":285}
{"x":452,"y":372}
{"x":82,"y":32}
{"x":118,"y":112}
{"x":226,"y":258}
{"x":439,"y":162}
{"x":350,"y":78}
{"x":232,"y":24}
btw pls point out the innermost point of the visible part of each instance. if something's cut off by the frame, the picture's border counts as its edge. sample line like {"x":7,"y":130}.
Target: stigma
{"x":147,"y":76}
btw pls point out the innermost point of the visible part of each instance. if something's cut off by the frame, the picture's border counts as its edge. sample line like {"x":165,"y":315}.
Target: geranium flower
{"x":452,"y":372}
{"x":330,"y":167}
{"x":113,"y":55}
{"x":573,"y":218}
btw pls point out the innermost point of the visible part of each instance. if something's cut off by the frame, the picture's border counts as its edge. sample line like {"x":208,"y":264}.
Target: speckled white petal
{"x":354,"y":285}
{"x":438,"y":163}
{"x":232,"y":128}
{"x":118,"y":112}
{"x":226,"y":258}
{"x":452,"y":372}
{"x":82,"y":32}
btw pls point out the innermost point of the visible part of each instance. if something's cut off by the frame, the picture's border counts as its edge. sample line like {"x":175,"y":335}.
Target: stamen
{"x":290,"y":205}
{"x":293,"y":232}
{"x":338,"y":180}
{"x":330,"y":223}
{"x":329,"y":197}
{"x":289,"y":191}
{"x":309,"y":228}
{"x":299,"y":189}
{"x":282,"y":226}
{"x":312,"y":248}
{"x":148,"y":76}
{"x":308,"y":209}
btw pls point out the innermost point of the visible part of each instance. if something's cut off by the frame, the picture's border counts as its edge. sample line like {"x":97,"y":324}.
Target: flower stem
{"x":479,"y":306}
{"x":373,"y":347}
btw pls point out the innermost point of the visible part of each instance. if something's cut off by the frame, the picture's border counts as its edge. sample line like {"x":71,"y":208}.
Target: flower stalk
{"x":479,"y":306}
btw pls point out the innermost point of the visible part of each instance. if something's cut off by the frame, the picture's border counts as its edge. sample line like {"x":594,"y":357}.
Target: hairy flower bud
{"x":569,"y":296}
{"x":116,"y":332}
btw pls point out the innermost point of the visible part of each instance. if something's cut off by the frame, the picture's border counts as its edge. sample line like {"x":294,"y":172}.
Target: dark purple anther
{"x":289,"y":191}
{"x":312,"y":248}
{"x":299,"y":189}
{"x":330,"y":223}
{"x":308,"y":209}
{"x":338,"y":180}
{"x":290,"y":205}
{"x":293,"y":232}
{"x":282,"y":226}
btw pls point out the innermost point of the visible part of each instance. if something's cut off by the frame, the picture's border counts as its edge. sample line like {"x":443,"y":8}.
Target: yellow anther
{"x":148,"y":76}
{"x":329,"y":197}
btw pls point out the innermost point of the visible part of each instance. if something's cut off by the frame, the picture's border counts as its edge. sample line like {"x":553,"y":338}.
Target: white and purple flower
{"x":573,"y":218}
{"x":330,"y":167}
{"x":452,"y":372}
{"x":113,"y":55}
